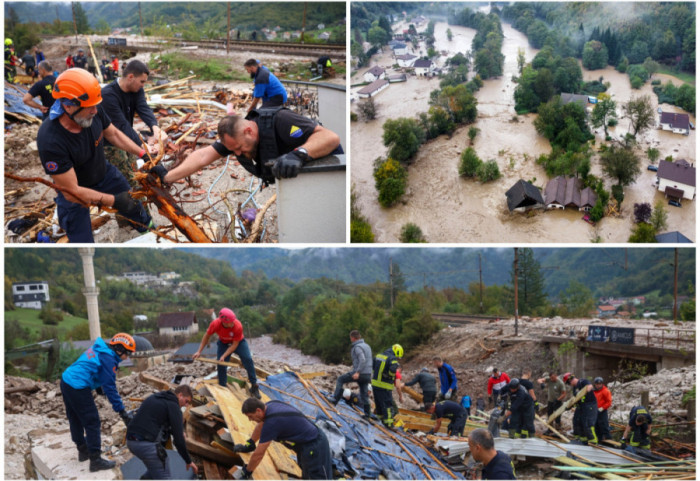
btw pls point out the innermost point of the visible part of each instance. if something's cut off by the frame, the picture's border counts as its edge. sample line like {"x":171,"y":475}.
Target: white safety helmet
{"x":347,"y":393}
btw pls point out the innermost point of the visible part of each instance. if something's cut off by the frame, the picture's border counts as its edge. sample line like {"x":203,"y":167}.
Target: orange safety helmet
{"x":78,"y":86}
{"x":123,"y":339}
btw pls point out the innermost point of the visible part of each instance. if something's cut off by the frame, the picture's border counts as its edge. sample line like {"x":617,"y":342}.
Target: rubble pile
{"x":666,"y":389}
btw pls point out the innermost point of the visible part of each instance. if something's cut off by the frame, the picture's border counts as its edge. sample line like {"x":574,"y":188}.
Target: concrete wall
{"x":688,"y":190}
{"x":143,"y":363}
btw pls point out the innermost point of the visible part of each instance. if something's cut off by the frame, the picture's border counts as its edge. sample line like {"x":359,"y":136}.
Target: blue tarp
{"x":14,"y":102}
{"x":357,"y":462}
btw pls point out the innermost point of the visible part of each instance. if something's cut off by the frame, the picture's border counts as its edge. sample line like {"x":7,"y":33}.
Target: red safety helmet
{"x":125,"y":340}
{"x":79,"y":86}
{"x":227,"y":315}
{"x":567,"y":376}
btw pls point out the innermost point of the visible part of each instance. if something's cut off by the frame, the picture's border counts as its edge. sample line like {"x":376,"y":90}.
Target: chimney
{"x":90,"y":291}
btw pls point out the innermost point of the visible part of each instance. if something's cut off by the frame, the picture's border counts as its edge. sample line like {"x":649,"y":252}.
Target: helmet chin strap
{"x":70,"y":116}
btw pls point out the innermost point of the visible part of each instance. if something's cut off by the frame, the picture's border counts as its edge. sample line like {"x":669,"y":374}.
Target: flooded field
{"x":451,"y":209}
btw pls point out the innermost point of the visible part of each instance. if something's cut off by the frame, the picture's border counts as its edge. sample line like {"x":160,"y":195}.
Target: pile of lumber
{"x":573,"y":468}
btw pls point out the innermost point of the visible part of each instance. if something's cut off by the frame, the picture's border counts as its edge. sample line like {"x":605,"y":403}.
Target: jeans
{"x":363,"y":381}
{"x":83,"y":417}
{"x":75,"y":219}
{"x":274,"y":101}
{"x":602,"y":425}
{"x":147,"y":452}
{"x":241,"y":351}
{"x":552,"y":406}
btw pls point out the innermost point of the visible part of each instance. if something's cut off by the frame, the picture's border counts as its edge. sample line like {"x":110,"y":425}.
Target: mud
{"x":450,"y":209}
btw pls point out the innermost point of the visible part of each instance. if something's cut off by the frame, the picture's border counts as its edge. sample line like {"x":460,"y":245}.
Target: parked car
{"x":674,"y":203}
{"x":692,"y":126}
{"x":653,"y":168}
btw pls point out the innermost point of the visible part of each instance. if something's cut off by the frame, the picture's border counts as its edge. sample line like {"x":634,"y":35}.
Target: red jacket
{"x":604,"y":397}
{"x":497,"y":382}
{"x":226,"y":335}
{"x":69,"y":61}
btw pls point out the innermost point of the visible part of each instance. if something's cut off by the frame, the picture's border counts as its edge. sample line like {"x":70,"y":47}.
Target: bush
{"x":411,"y":234}
{"x":612,"y":122}
{"x":353,"y":117}
{"x":643,"y":233}
{"x":636,"y":82}
{"x":656,"y":82}
{"x":368,"y":109}
{"x":618,"y":194}
{"x":488,"y":171}
{"x":390,"y":181}
{"x":473,"y":132}
{"x":469,"y":163}
{"x":642,"y":212}
{"x":361,"y":232}
{"x":49,"y":316}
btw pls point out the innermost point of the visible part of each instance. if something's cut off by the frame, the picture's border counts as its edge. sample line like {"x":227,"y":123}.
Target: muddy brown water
{"x":450,"y":209}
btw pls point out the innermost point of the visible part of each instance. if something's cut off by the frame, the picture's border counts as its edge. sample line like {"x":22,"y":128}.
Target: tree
{"x":521,"y":60}
{"x":368,"y":109}
{"x":604,"y":110}
{"x":595,"y":55}
{"x":531,"y":294}
{"x":449,"y":35}
{"x":642,"y":212}
{"x":488,"y":171}
{"x":403,"y":136}
{"x":621,"y":164}
{"x":439,"y":121}
{"x":469,"y":163}
{"x":102,"y":27}
{"x":81,"y":20}
{"x":460,"y":102}
{"x":377,"y":36}
{"x":412,"y":234}
{"x":390,"y":179}
{"x":643,"y":234}
{"x":653,"y":154}
{"x":385,"y":24}
{"x":578,"y":300}
{"x":659,"y":217}
{"x":651,"y":66}
{"x":640,"y":113}
{"x":472,"y":133}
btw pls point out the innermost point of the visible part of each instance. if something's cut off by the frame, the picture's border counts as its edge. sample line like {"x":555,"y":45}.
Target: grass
{"x":181,"y":65}
{"x":686,"y":77}
{"x":301,"y":71}
{"x":29,"y":318}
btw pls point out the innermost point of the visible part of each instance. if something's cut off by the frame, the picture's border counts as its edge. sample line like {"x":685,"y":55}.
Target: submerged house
{"x":562,"y":192}
{"x":375,"y":73}
{"x":676,"y":123}
{"x":676,"y":179}
{"x":524,"y":196}
{"x":372,"y":89}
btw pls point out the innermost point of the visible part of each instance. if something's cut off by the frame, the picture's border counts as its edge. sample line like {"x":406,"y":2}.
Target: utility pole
{"x":481,"y":288}
{"x":515,"y":272}
{"x":391,"y":283}
{"x":228,"y":27}
{"x":303,"y":24}
{"x":675,"y":286}
{"x":58,"y":17}
{"x":75,"y":25}
{"x":140,"y":19}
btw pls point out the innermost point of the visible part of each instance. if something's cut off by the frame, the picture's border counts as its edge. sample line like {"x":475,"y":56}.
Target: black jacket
{"x":426,"y":381}
{"x":160,"y":412}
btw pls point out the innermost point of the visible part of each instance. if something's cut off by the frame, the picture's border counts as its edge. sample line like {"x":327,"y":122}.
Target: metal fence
{"x":656,"y":337}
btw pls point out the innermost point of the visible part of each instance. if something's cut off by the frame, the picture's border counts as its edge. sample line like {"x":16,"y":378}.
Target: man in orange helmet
{"x":71,"y":149}
{"x":95,"y":369}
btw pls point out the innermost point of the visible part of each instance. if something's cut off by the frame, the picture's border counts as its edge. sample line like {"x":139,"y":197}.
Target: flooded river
{"x":450,"y":209}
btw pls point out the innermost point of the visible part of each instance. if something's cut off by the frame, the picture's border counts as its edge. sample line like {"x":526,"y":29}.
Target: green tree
{"x":687,"y":309}
{"x":469,"y":163}
{"x":488,"y":171}
{"x":653,"y":154}
{"x":621,"y":164}
{"x":390,"y":179}
{"x":659,"y":217}
{"x":368,"y":109}
{"x":578,"y":300}
{"x":643,"y":234}
{"x":532,"y":298}
{"x":412,"y":234}
{"x":460,"y":102}
{"x":595,"y":55}
{"x":651,"y":66}
{"x":603,"y":111}
{"x":403,"y":136}
{"x":521,"y":60}
{"x":449,"y":35}
{"x":81,"y":20}
{"x":377,"y":36}
{"x":439,"y":121}
{"x":640,"y":113}
{"x":472,"y":133}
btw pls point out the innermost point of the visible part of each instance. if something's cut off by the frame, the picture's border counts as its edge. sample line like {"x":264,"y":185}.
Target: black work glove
{"x":126,"y":416}
{"x":99,"y":390}
{"x":248,"y":447}
{"x":243,"y":473}
{"x":160,"y":172}
{"x":287,"y":166}
{"x":623,"y":443}
{"x":125,"y":205}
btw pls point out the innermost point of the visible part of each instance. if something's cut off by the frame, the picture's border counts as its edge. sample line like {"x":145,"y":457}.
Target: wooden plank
{"x":94,"y":58}
{"x":311,"y":375}
{"x":154,"y":381}
{"x":566,"y":405}
{"x":235,"y":362}
{"x":214,"y":471}
{"x":413,"y":393}
{"x":196,"y":446}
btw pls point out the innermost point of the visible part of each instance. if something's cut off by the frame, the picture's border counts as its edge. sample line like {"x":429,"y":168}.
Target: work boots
{"x":83,"y":453}
{"x":254,"y":390}
{"x":98,"y":463}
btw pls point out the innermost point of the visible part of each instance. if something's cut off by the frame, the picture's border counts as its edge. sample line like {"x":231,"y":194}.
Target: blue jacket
{"x":466,"y":401}
{"x":94,"y":368}
{"x":448,"y":378}
{"x":267,"y":85}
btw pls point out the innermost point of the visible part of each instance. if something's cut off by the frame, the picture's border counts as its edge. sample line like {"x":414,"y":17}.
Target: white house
{"x":400,"y":49}
{"x":676,"y":179}
{"x":32,"y":295}
{"x":676,"y":123}
{"x":406,"y":60}
{"x":372,"y":89}
{"x":324,"y":35}
{"x":375,"y":73}
{"x":424,"y":68}
{"x":177,"y":323}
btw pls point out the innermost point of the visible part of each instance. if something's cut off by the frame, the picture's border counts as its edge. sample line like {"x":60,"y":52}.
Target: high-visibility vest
{"x":383,"y":377}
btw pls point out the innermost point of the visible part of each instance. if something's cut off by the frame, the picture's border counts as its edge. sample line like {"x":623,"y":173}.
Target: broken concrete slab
{"x":134,"y":468}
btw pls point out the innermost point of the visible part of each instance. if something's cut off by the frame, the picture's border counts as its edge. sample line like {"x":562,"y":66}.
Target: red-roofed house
{"x":606,"y":311}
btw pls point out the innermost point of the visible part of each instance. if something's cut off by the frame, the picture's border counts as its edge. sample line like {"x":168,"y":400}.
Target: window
{"x":20,"y":288}
{"x":34,"y":288}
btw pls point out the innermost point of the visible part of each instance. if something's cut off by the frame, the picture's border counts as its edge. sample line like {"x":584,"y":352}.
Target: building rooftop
{"x":679,"y":172}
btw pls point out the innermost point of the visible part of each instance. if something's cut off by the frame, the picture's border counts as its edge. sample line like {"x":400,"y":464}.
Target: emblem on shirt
{"x":51,"y":166}
{"x":295,"y":132}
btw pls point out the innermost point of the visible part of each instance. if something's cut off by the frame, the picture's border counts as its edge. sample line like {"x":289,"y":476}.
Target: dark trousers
{"x":383,"y":405}
{"x":584,"y":422}
{"x":274,"y":101}
{"x":148,"y":453}
{"x":75,"y":219}
{"x":522,"y":423}
{"x":602,"y":425}
{"x":429,"y":397}
{"x":363,"y":381}
{"x":242,"y":351}
{"x":469,"y":412}
{"x":495,"y":395}
{"x":314,"y":458}
{"x":83,"y":417}
{"x":456,"y":426}
{"x":552,"y":406}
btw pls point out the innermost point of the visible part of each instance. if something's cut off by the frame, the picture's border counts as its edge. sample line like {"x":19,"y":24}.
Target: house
{"x":287,"y":35}
{"x":674,"y":237}
{"x":320,"y":26}
{"x":562,"y":192}
{"x":374,"y":73}
{"x":424,"y":68}
{"x":676,"y":179}
{"x":177,"y":323}
{"x":583,"y":100}
{"x":373,"y":89}
{"x":399,"y":48}
{"x":605,"y":311}
{"x":406,"y":60}
{"x":401,"y":77}
{"x":324,"y":35}
{"x":32,"y":295}
{"x":676,"y":123}
{"x":524,"y":196}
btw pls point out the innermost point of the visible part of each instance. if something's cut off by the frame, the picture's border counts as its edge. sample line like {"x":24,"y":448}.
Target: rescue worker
{"x":427,"y":384}
{"x":384,"y":380}
{"x":80,"y":60}
{"x":529,"y":386}
{"x":352,"y":398}
{"x":69,"y":61}
{"x":521,"y":411}
{"x":266,"y":86}
{"x":604,"y":399}
{"x":586,"y":411}
{"x":497,"y":381}
{"x":40,"y":57}
{"x":121,"y":100}
{"x":71,"y":149}
{"x":449,"y":410}
{"x":268,"y":143}
{"x":10,"y":61}
{"x":497,"y":464}
{"x":361,"y":373}
{"x":95,"y":369}
{"x":466,"y":403}
{"x":640,"y":426}
{"x":42,"y":89}
{"x":556,"y":393}
{"x":323,"y":63}
{"x":29,"y":63}
{"x":278,"y":421}
{"x":159,"y":417}
{"x":115,"y":66}
{"x":231,"y":341}
{"x":448,"y":379}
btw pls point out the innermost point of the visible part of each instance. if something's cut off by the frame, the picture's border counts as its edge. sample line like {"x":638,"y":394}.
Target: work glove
{"x":537,"y":406}
{"x":160,"y":172}
{"x":623,"y":443}
{"x":126,"y":416}
{"x":432,"y":431}
{"x":600,"y":410}
{"x":248,"y":447}
{"x":243,"y":473}
{"x":287,"y":166}
{"x":448,"y":394}
{"x":125,"y":205}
